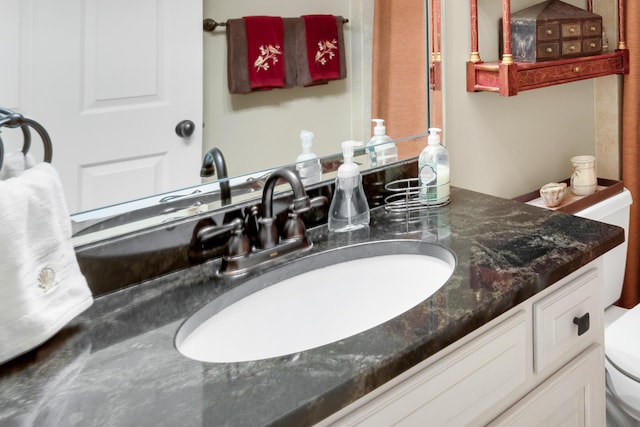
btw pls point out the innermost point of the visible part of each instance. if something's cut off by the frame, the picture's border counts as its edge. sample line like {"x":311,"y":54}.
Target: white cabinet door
{"x":458,"y":389}
{"x":572,"y":397}
{"x":109,"y":79}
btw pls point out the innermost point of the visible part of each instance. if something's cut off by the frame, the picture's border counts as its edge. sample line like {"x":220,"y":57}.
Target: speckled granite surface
{"x":116,"y":364}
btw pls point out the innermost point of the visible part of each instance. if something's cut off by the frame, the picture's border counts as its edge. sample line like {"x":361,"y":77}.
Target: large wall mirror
{"x":389,"y":50}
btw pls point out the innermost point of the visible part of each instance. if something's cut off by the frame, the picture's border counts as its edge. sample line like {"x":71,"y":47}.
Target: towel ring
{"x":14,"y":120}
{"x":26,"y":134}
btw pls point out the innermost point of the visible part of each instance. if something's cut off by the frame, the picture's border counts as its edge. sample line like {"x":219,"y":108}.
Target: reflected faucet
{"x":213,"y":162}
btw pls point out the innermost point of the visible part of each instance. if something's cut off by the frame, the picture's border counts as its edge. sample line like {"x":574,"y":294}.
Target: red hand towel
{"x":323,"y":53}
{"x":265,"y":51}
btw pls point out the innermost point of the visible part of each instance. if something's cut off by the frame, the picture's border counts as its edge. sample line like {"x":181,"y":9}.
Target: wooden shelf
{"x":572,"y":203}
{"x":508,"y":78}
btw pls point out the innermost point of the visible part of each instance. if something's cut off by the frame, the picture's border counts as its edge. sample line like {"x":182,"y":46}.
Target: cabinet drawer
{"x":571,"y":30}
{"x":572,"y":47}
{"x":592,"y":29}
{"x":548,"y":32}
{"x":549,"y":50}
{"x":572,"y":71}
{"x":562,"y":321}
{"x":593,"y":45}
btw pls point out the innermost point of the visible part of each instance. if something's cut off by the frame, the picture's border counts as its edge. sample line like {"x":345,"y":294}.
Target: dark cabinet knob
{"x":583,"y":323}
{"x":185,"y":128}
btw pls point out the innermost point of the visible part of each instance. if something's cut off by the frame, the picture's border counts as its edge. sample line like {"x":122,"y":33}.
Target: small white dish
{"x":553,"y":193}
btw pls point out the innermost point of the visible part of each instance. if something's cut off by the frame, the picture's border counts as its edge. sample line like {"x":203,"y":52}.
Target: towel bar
{"x":26,"y":134}
{"x":12,"y":119}
{"x":210,"y":24}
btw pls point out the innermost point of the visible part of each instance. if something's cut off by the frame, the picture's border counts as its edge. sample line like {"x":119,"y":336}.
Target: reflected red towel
{"x":323,"y":53}
{"x":265,"y":51}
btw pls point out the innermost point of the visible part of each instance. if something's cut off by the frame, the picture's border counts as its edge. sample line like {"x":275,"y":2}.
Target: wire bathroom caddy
{"x":405,"y":196}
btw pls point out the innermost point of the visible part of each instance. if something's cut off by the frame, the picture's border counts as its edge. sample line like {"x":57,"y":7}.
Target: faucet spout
{"x":300,"y":201}
{"x":213,"y":162}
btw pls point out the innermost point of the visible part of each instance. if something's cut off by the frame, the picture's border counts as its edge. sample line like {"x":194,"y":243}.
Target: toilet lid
{"x":622,"y":344}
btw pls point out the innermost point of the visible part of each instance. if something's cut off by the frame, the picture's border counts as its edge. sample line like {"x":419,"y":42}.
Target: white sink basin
{"x":315,"y":301}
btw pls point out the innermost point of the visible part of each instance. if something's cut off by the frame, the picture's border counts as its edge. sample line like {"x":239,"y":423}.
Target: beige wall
{"x":261,"y":130}
{"x":507,"y":146}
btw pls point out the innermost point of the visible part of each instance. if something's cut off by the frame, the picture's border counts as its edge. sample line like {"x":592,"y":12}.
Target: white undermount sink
{"x":315,"y":300}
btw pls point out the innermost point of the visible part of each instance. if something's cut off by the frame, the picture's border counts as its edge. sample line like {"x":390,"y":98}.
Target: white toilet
{"x":622,"y":346}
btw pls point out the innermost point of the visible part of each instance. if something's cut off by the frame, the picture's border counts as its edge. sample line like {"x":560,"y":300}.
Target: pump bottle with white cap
{"x":381,"y":148}
{"x":307,"y":163}
{"x":433,"y":171}
{"x":349,"y":209}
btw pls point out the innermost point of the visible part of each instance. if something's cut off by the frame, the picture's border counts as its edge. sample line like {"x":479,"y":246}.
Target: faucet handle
{"x":238,"y":244}
{"x":212,"y":231}
{"x":294,"y":228}
{"x":208,"y":239}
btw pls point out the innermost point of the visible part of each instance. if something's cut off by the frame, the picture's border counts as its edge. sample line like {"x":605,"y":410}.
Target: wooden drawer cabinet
{"x":559,"y":44}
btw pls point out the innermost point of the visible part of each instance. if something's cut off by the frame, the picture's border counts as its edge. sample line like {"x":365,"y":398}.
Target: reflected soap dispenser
{"x":381,"y":148}
{"x":349,"y":209}
{"x":307,"y":163}
{"x":433,"y":171}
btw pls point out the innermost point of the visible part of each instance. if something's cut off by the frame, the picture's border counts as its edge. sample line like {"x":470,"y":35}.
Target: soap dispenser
{"x":433,"y":171}
{"x":381,"y":148}
{"x":308,"y":164}
{"x":349,"y":209}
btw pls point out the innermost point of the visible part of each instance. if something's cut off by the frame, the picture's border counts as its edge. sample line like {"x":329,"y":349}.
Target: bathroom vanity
{"x":496,"y":344}
{"x":530,"y":366}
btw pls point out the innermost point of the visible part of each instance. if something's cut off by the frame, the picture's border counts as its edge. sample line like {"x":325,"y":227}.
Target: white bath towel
{"x":14,"y":164}
{"x":41,"y":286}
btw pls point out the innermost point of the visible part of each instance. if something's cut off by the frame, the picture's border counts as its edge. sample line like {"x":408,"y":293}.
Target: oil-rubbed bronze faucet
{"x":213,"y":162}
{"x":257,"y":240}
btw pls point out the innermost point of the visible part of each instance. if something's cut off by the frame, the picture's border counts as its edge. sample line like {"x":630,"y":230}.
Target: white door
{"x":109,"y":80}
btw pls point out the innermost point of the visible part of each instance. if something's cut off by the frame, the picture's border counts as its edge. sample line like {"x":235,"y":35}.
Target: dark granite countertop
{"x":116,"y":364}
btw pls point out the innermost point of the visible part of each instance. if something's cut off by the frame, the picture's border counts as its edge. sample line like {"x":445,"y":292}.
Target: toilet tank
{"x":613,"y":210}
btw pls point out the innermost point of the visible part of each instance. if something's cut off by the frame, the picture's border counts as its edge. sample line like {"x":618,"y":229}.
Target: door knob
{"x":185,"y":128}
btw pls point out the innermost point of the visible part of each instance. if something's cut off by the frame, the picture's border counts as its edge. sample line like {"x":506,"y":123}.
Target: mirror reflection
{"x":385,"y":43}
